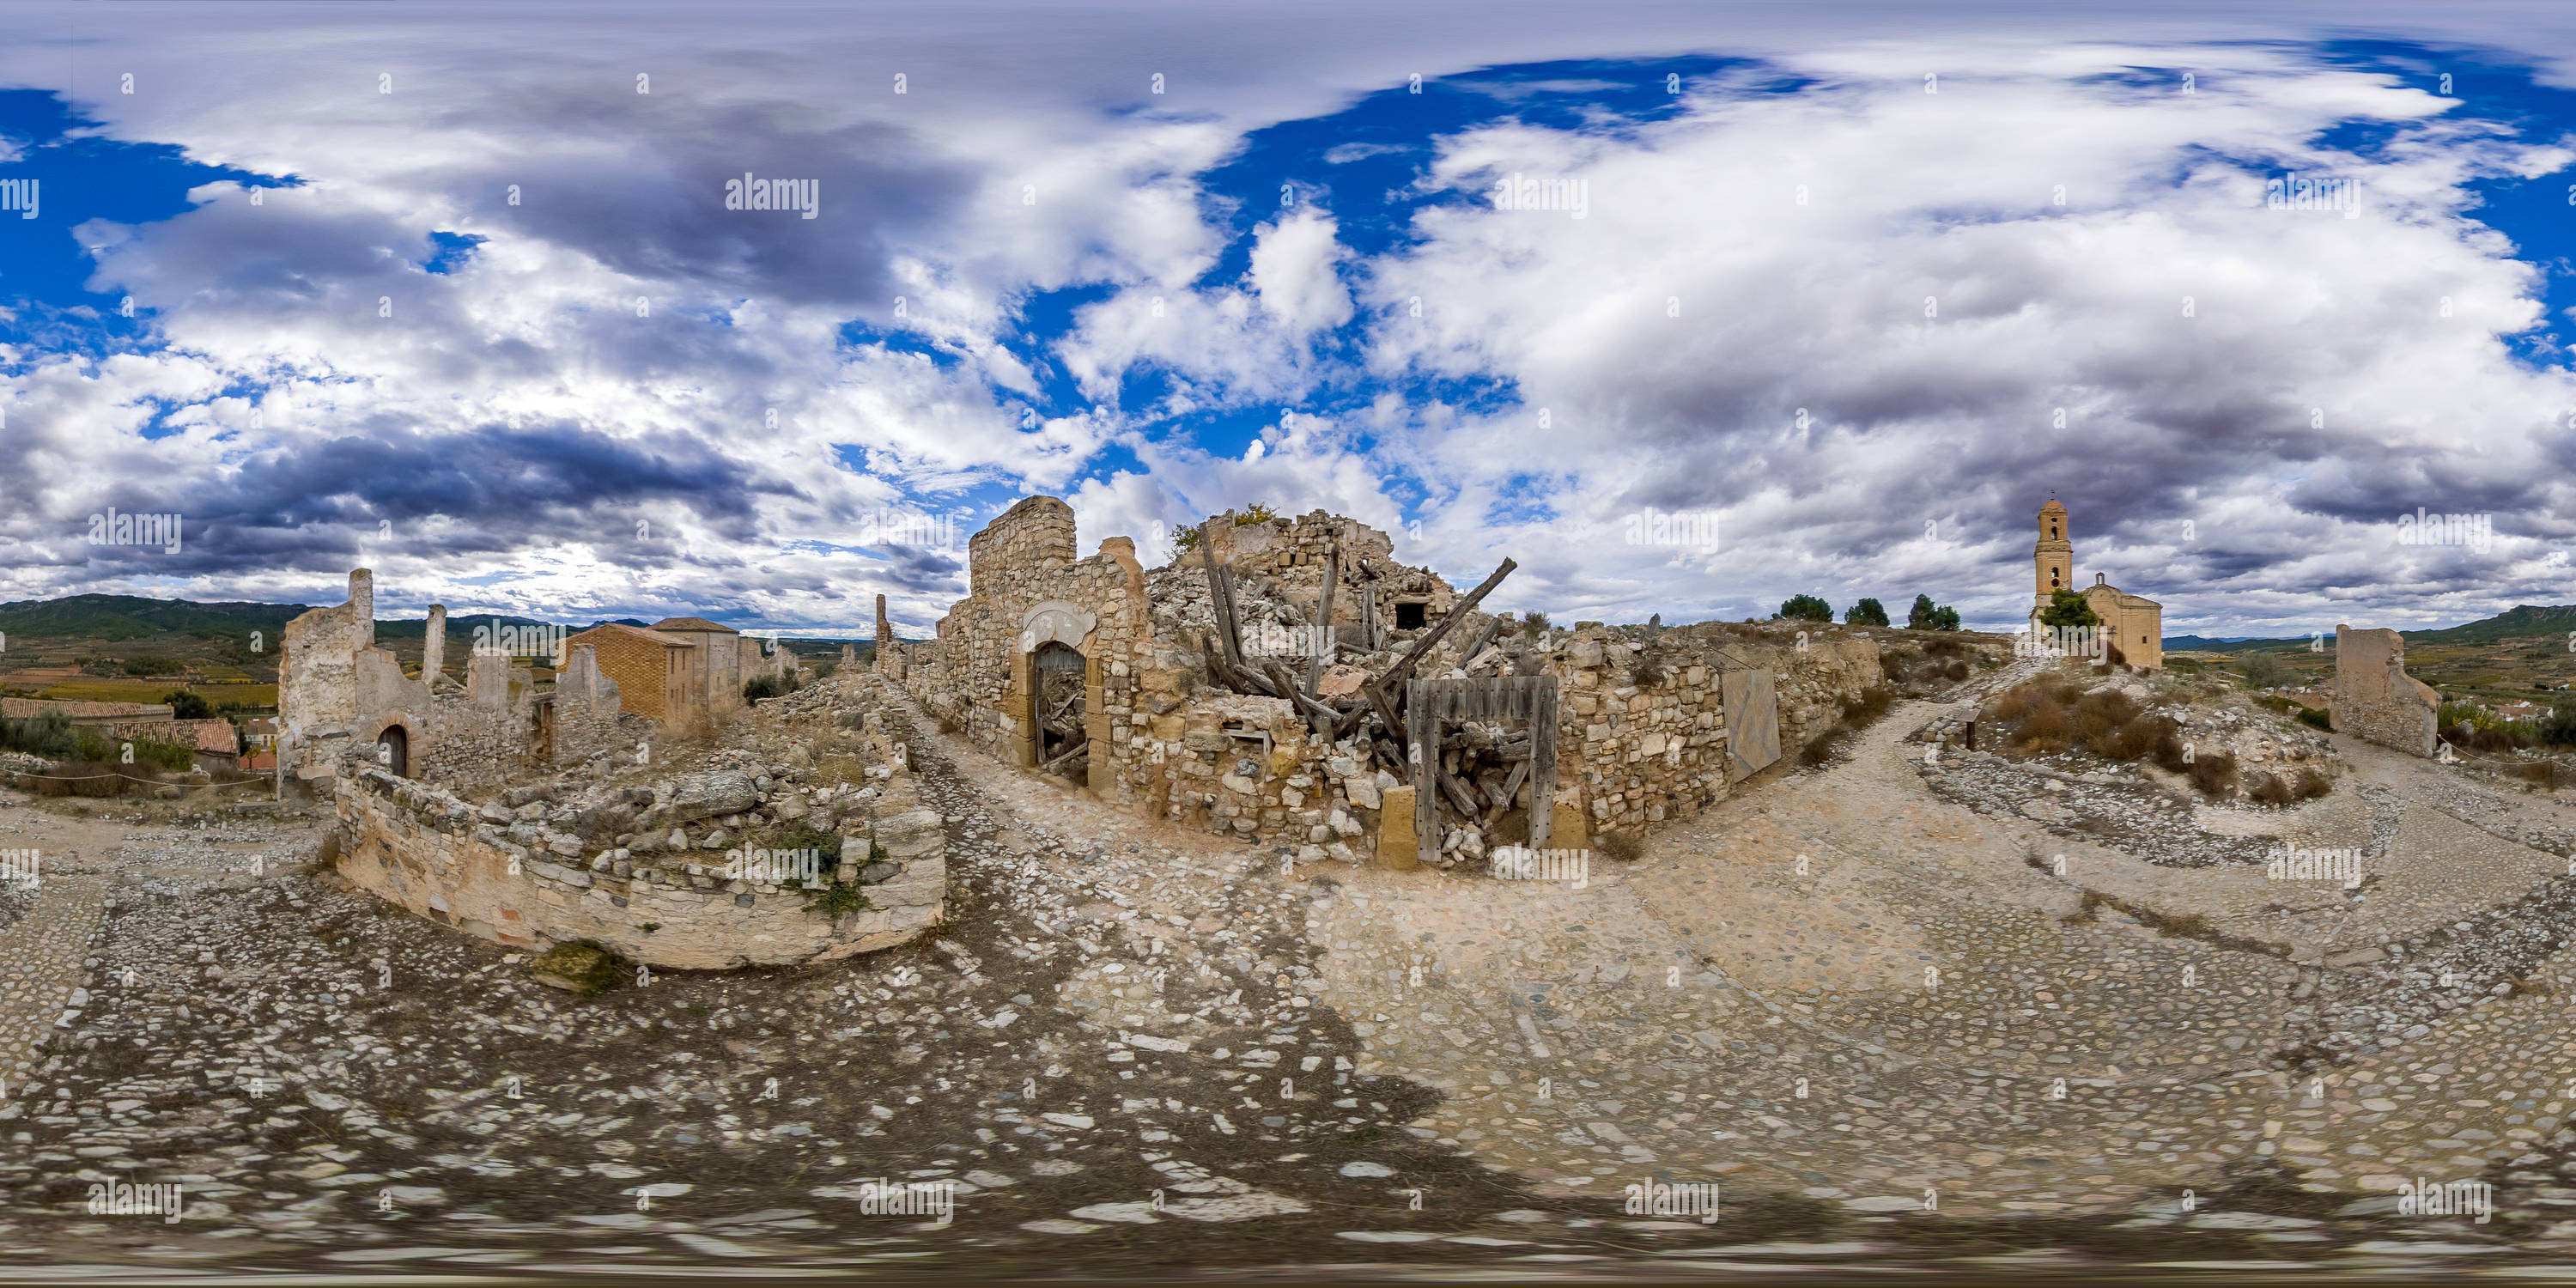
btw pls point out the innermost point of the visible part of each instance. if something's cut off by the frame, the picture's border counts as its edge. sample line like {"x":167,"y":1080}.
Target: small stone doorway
{"x":1057,"y":724}
{"x":393,"y":751}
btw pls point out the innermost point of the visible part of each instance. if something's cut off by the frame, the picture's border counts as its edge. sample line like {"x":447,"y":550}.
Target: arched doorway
{"x":393,"y":751}
{"x":1059,"y":734}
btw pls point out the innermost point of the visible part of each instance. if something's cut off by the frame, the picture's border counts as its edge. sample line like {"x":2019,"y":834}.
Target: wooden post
{"x":1542,"y":763}
{"x":1422,"y":751}
{"x":1324,"y":645}
{"x":1220,"y":597}
{"x":1368,"y":614}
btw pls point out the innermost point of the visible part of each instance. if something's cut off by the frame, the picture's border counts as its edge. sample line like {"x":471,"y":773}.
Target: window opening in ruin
{"x":1246,"y":733}
{"x":393,"y":751}
{"x":1409,"y":616}
{"x":1062,"y":742}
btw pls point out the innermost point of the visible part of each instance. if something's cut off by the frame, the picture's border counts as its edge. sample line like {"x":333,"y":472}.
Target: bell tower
{"x":2053,"y":560}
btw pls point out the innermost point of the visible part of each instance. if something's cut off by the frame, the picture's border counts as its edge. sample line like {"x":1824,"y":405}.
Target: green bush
{"x":2558,"y":728}
{"x":1806,"y":608}
{"x":2066,"y":608}
{"x":768,"y":686}
{"x":2265,"y":670}
{"x":49,"y":734}
{"x":1867,"y":612}
{"x":837,"y":900}
{"x":152,"y":666}
{"x":583,"y":966}
{"x":188,"y":706}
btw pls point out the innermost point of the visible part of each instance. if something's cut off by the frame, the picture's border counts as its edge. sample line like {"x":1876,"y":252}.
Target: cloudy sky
{"x":454,"y":292}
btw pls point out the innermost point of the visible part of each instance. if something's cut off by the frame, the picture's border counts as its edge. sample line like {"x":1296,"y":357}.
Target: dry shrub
{"x":2044,"y":730}
{"x":2213,"y":774}
{"x":2098,"y":716}
{"x":1939,"y":646}
{"x":2270,"y":789}
{"x":87,"y":778}
{"x":1956,"y":670}
{"x":2147,"y":735}
{"x":1623,"y":846}
{"x":1892,"y":665}
{"x":2542,"y":773}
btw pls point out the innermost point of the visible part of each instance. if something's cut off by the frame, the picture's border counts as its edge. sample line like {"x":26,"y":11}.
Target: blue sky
{"x":491,"y":330}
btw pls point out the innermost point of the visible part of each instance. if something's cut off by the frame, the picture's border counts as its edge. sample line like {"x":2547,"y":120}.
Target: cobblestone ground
{"x":1918,"y":1047}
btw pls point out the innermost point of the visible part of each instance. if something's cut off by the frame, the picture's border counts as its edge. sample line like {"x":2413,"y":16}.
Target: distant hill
{"x":2524,"y":621}
{"x":2205,"y":644}
{"x":117,"y":618}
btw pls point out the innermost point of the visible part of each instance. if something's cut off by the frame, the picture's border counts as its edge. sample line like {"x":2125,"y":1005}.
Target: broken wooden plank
{"x":1483,"y":638}
{"x":1220,"y":596}
{"x":1542,"y":763}
{"x":1459,"y":794}
{"x":1324,"y":638}
{"x":1425,"y":756}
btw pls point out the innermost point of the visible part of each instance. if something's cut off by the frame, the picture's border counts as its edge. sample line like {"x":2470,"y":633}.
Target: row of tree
{"x":1925,"y":616}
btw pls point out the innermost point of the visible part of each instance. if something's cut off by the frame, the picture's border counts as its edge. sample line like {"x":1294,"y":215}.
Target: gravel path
{"x":1140,"y":1051}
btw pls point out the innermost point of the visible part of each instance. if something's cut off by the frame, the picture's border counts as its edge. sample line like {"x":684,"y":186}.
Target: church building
{"x":2135,"y":623}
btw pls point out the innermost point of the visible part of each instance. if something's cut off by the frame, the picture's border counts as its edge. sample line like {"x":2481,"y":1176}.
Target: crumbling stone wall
{"x":478,"y":732}
{"x":1643,"y":729}
{"x":2375,"y":699}
{"x":337,"y":692}
{"x":587,"y":711}
{"x":1027,"y":589}
{"x":514,"y":870}
{"x":1637,"y":744}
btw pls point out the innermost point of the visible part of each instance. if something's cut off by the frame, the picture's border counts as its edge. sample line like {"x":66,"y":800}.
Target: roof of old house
{"x":215,"y":736}
{"x":25,"y":708}
{"x":673,"y":641}
{"x":692,"y":624}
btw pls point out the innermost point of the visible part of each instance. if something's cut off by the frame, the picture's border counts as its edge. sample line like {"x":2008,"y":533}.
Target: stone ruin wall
{"x":522,"y":875}
{"x":337,"y":692}
{"x":2375,"y":700}
{"x":1248,"y":767}
{"x":1639,"y":754}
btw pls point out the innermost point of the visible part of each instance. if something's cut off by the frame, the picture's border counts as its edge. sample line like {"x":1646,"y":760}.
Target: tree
{"x":1806,"y":608}
{"x":2558,"y":728}
{"x":188,"y":706}
{"x":2066,"y":608}
{"x":2265,"y":671}
{"x":1867,"y":612}
{"x":1924,"y":616}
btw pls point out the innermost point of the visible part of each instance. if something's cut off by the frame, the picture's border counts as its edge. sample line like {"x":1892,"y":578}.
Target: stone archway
{"x":393,"y":751}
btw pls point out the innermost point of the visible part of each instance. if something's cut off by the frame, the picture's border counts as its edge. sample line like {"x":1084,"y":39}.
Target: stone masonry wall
{"x":518,"y":877}
{"x":1642,"y":749}
{"x":2375,"y":699}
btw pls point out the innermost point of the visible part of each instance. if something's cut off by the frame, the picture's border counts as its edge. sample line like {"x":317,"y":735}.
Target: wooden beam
{"x":1324,"y":650}
{"x":1422,"y":647}
{"x":1542,"y":763}
{"x":1425,"y":757}
{"x":1220,"y":596}
{"x":1483,"y":638}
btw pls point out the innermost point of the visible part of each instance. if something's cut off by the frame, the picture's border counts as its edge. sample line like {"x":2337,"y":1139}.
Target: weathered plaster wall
{"x":2375,"y":699}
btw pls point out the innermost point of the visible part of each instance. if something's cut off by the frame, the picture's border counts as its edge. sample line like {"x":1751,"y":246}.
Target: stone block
{"x":1396,"y":845}
{"x":912,"y":835}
